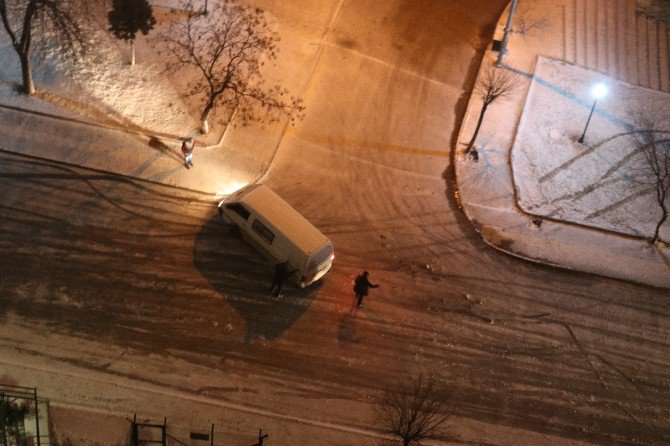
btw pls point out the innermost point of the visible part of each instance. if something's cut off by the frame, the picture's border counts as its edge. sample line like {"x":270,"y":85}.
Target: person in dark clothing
{"x":282,"y":273}
{"x":362,"y":286}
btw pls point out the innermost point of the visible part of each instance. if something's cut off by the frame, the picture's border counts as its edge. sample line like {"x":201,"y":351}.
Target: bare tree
{"x":525,"y":25}
{"x":495,"y":83}
{"x":228,"y":47}
{"x":40,"y":20}
{"x":653,"y":168}
{"x":528,"y":19}
{"x":414,"y":411}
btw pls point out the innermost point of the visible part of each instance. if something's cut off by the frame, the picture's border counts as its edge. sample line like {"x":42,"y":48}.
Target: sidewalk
{"x":217,"y":170}
{"x":580,"y":41}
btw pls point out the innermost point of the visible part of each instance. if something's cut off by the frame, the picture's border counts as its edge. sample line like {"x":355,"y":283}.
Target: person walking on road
{"x":281,"y":274}
{"x":362,"y":286}
{"x":188,"y":152}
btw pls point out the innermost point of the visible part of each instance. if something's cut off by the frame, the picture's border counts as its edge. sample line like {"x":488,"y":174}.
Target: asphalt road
{"x":150,"y":270}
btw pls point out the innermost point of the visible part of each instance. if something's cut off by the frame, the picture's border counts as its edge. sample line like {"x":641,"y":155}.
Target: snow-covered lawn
{"x":103,"y":87}
{"x":596,"y":183}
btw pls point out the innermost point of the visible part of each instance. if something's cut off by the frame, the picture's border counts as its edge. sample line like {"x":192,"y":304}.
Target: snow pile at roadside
{"x":598,"y":183}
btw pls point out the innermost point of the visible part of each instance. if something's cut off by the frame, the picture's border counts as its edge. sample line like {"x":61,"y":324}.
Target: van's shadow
{"x":243,"y":277}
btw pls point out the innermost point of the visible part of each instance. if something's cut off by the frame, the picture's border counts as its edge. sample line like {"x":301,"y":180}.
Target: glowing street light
{"x":599,"y":91}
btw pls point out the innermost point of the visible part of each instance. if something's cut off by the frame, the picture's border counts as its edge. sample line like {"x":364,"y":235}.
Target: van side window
{"x":239,"y":210}
{"x":263,"y":231}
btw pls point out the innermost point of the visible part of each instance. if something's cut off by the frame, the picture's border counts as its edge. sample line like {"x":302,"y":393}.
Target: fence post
{"x":164,"y":437}
{"x":4,"y":428}
{"x":37,"y":418}
{"x":211,"y":442}
{"x":134,"y":434}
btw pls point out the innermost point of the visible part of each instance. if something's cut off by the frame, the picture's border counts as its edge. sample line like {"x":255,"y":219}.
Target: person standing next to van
{"x":188,"y":152}
{"x":362,"y":286}
{"x":281,"y":274}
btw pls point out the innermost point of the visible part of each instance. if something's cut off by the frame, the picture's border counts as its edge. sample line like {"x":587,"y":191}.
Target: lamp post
{"x":599,"y":91}
{"x":508,"y":28}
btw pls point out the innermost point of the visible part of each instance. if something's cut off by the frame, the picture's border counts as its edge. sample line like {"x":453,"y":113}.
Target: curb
{"x":103,"y":172}
{"x":90,"y":123}
{"x":119,"y":128}
{"x":123,"y":130}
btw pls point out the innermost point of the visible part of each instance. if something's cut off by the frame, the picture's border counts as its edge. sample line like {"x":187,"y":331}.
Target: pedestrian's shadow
{"x":164,"y":149}
{"x":346,"y":332}
{"x":242,"y":277}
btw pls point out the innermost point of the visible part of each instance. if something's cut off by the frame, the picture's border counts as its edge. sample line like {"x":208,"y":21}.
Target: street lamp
{"x":508,"y":29}
{"x":599,"y":91}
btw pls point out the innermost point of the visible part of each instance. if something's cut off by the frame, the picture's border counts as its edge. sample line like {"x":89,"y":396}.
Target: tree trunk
{"x":132,"y":52}
{"x":479,"y":124}
{"x":204,"y":124}
{"x":27,"y":74}
{"x":664,"y":216}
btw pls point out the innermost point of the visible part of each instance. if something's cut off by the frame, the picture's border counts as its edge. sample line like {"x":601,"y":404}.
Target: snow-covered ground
{"x":523,"y":347}
{"x":542,"y":227}
{"x":598,"y":183}
{"x":103,"y":86}
{"x":555,"y":176}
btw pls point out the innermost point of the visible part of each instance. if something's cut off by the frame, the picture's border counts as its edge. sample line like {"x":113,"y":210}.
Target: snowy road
{"x":144,"y":282}
{"x":127,"y":280}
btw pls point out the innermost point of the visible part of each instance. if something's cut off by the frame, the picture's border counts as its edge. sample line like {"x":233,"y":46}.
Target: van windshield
{"x":239,"y":210}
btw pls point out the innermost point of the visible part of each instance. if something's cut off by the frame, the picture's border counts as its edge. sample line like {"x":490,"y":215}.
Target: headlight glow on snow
{"x":230,"y":188}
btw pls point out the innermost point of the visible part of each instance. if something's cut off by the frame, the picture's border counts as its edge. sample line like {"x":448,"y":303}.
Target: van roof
{"x":264,"y":202}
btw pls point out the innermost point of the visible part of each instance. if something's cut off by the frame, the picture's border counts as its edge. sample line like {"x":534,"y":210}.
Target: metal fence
{"x":24,"y":417}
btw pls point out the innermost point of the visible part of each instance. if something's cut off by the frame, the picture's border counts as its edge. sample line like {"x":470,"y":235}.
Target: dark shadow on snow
{"x":348,"y":328}
{"x":164,"y":149}
{"x":243,"y":277}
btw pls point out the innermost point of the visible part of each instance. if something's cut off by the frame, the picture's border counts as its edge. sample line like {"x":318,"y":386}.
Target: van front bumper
{"x":325,"y":267}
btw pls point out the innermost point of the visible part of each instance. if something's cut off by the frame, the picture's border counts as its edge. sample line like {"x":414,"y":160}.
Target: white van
{"x":279,"y":231}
